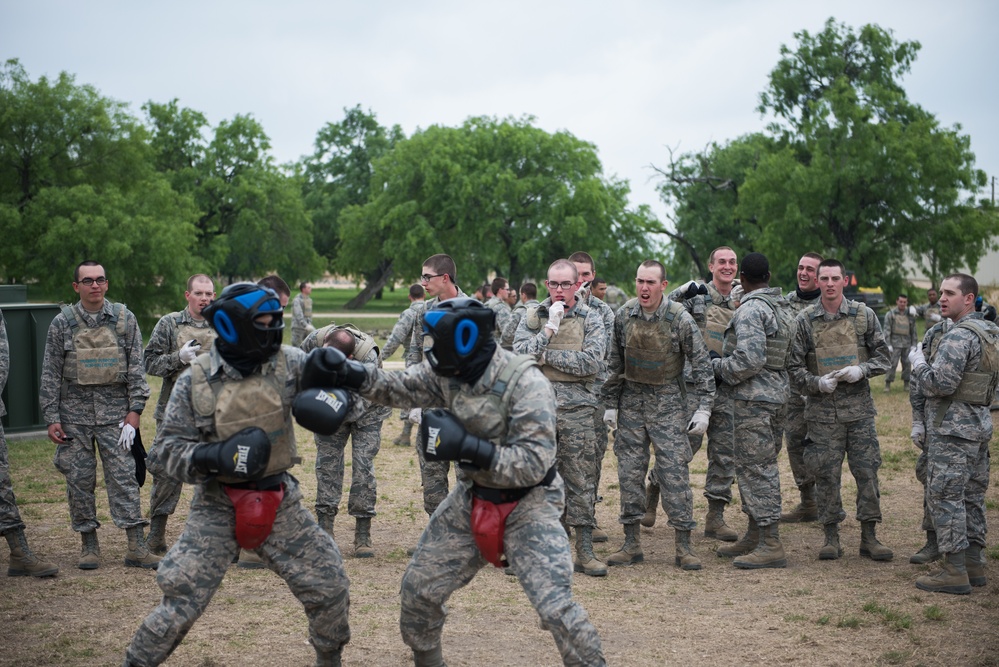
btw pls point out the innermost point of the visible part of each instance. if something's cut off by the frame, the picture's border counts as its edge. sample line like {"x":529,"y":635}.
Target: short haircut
{"x":756,"y":267}
{"x":530,"y":290}
{"x":711,"y":257}
{"x":564,"y":264}
{"x":813,"y":255}
{"x":441,"y":264}
{"x":967,"y":284}
{"x":831,"y":263}
{"x":301,"y":285}
{"x":597,"y":280}
{"x":417,"y":291}
{"x":902,"y":296}
{"x":86,"y":262}
{"x":485,"y":289}
{"x":196,"y":277}
{"x":499,"y":282}
{"x":581,"y":257}
{"x":275,"y":283}
{"x":653,"y":264}
{"x":342,"y":340}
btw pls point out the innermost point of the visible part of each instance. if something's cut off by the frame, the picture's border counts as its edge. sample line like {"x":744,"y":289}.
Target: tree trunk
{"x":380,"y":278}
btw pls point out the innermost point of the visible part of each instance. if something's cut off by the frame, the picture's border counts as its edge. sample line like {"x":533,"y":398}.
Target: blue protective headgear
{"x":234,"y":315}
{"x":459,"y":330}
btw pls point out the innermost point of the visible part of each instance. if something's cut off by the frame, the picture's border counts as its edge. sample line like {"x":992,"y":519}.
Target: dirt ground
{"x":847,"y":612}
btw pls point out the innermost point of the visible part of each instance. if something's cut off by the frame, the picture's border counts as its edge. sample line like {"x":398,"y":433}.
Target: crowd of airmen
{"x":533,"y":389}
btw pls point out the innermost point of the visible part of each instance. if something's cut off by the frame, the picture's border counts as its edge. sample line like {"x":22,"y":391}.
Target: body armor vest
{"x":487,"y":415}
{"x":650,"y":356}
{"x":569,"y":337}
{"x":253,"y":401}
{"x":185,"y":331}
{"x":307,"y":307}
{"x":978,"y":387}
{"x":364,"y":343}
{"x":778,"y":345}
{"x":839,"y":343}
{"x":717,"y":318}
{"x":931,"y":310}
{"x":900,"y":324}
{"x":98,"y":354}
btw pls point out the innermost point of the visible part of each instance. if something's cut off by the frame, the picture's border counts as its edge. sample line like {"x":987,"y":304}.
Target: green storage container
{"x":27,"y":327}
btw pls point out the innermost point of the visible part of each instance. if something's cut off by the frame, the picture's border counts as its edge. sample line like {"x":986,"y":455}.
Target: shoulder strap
{"x":118,"y":318}
{"x":365,"y":342}
{"x":203,"y":387}
{"x":70,"y":314}
{"x":508,"y":378}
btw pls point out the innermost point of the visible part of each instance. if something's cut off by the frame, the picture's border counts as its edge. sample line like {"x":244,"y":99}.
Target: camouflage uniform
{"x":401,"y":333}
{"x":919,"y":414}
{"x":900,"y":330}
{"x":161,"y":358}
{"x":575,"y":371}
{"x":930,"y":312}
{"x":599,"y":427}
{"x":297,"y":549}
{"x":301,"y":318}
{"x":756,"y":394}
{"x":535,"y":545}
{"x":655,"y":414}
{"x":91,"y":413}
{"x":515,"y":317}
{"x":10,"y":518}
{"x":503,"y":316}
{"x":363,"y":426}
{"x":793,"y":421}
{"x":841,"y":424}
{"x":957,"y":437}
{"x":432,"y":473}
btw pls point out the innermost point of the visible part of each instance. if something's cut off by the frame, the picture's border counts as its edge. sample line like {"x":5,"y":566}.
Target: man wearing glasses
{"x":438,"y":278}
{"x":93,"y":390}
{"x":567,"y":337}
{"x":175,"y":342}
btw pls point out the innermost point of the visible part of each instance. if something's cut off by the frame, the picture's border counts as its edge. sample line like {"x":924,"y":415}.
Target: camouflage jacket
{"x":526,"y":449}
{"x":916,"y":397}
{"x":897,"y":340}
{"x":161,"y":356}
{"x":403,"y":329}
{"x":4,"y":360}
{"x":503,"y":316}
{"x":850,"y":401}
{"x":515,"y":317}
{"x":301,"y":312}
{"x":741,"y":373}
{"x":96,"y":405}
{"x":797,"y":303}
{"x":687,"y":339}
{"x":414,"y":353}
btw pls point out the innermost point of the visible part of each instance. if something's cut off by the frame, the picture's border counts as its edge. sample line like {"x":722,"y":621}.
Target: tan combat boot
{"x":651,"y":504}
{"x":90,"y":554}
{"x":974,"y":561}
{"x":631,"y":551}
{"x":768,"y":554}
{"x":806,"y":510}
{"x":870,"y":547}
{"x":953,"y":578}
{"x":362,"y":538}
{"x":831,"y":549}
{"x":325,"y":520}
{"x":138,"y":555}
{"x":685,"y":559}
{"x":156,"y":539}
{"x":585,"y":561}
{"x":930,"y":551}
{"x":745,"y":545}
{"x":714,"y":522}
{"x":23,"y":561}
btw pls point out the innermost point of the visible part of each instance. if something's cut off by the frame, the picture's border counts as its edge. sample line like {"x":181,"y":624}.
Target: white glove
{"x":189,"y":351}
{"x":935,"y":317}
{"x":610,"y":418}
{"x":912,"y":311}
{"x":699,"y":423}
{"x":916,"y":357}
{"x":827,"y":383}
{"x":127,"y":436}
{"x":416,"y":416}
{"x":891,"y":350}
{"x":850,"y":374}
{"x":918,"y":434}
{"x":556,"y":312}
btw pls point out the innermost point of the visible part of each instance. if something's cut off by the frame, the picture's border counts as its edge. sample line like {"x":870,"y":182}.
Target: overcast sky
{"x":630,"y":77}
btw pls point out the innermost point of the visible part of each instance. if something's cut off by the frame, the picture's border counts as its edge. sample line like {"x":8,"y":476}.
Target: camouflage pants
{"x":921,"y":465}
{"x":366,"y":439}
{"x":433,"y":475}
{"x":574,"y":459}
{"x":899,"y":354}
{"x":537,"y":549}
{"x":600,"y":448}
{"x":755,"y":457}
{"x":297,"y":550}
{"x":165,"y":494}
{"x":721,"y":467}
{"x":692,"y":402}
{"x":10,"y":518}
{"x":957,"y":477}
{"x":298,"y":336}
{"x":650,"y":417}
{"x":857,"y":441}
{"x":77,"y":460}
{"x":796,"y":432}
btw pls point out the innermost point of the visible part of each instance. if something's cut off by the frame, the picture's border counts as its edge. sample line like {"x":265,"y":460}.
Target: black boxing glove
{"x":244,"y":455}
{"x":713,"y":355}
{"x":327,"y":367}
{"x":444,"y":438}
{"x":322,"y":411}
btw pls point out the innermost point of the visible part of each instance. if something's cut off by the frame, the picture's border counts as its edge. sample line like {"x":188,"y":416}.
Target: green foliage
{"x":934,"y":613}
{"x":895,"y":620}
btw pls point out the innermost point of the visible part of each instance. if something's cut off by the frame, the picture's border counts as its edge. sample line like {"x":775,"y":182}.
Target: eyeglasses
{"x":90,"y":281}
{"x":564,"y":286}
{"x":427,"y":277}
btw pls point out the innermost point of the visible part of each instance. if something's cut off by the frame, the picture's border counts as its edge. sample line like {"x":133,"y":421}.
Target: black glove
{"x":244,"y":455}
{"x":444,"y":438}
{"x":322,"y":411}
{"x":327,"y":367}
{"x":713,"y":355}
{"x":693,"y":289}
